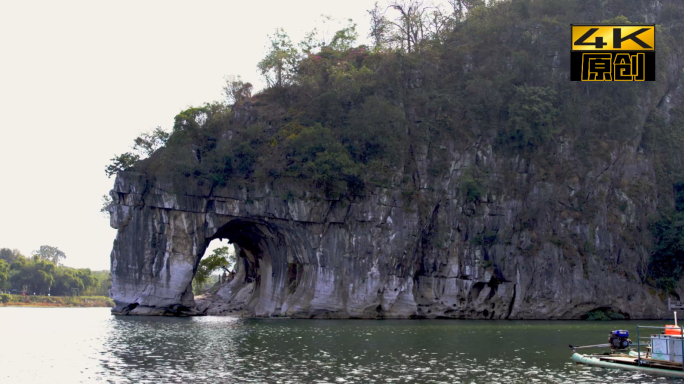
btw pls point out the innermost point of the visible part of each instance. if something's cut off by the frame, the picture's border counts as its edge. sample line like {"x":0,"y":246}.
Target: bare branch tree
{"x":416,"y":22}
{"x":439,"y":22}
{"x":236,"y":90}
{"x":380,"y":26}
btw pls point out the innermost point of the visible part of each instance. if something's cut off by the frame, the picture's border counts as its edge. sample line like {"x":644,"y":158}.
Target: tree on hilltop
{"x":144,"y":146}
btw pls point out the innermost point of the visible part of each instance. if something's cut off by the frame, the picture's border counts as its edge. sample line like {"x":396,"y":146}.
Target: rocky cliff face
{"x":481,"y":234}
{"x":527,"y":248}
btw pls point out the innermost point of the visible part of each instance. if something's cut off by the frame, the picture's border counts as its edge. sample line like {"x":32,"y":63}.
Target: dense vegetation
{"x":39,"y":275}
{"x":346,"y":116}
{"x":668,"y":255}
{"x":349,"y":118}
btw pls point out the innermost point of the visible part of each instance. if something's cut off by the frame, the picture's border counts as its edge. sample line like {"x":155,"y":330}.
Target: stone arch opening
{"x":270,"y":264}
{"x":221,"y":273}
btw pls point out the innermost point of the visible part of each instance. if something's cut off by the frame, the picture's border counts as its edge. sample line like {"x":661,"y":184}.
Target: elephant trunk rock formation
{"x":484,"y":187}
{"x":371,"y":257}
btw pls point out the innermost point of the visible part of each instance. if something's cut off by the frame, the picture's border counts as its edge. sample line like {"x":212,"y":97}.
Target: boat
{"x":627,"y":363}
{"x":657,"y":353}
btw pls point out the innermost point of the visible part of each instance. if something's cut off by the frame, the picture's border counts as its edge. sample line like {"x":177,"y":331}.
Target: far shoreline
{"x":23,"y":305}
{"x":36,"y":301}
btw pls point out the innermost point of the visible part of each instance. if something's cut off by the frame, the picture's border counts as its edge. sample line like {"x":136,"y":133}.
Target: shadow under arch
{"x":272,"y":261}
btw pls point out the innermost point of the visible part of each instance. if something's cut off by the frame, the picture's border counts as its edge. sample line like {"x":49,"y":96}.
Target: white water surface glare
{"x":88,"y":345}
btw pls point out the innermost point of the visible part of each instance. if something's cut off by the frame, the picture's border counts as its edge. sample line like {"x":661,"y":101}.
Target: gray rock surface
{"x":535,"y":249}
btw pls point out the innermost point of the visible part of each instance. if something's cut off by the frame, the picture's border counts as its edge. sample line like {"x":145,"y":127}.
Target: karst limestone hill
{"x":460,"y":176}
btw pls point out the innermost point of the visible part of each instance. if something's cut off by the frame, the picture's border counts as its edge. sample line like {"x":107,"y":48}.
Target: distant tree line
{"x":42,"y":274}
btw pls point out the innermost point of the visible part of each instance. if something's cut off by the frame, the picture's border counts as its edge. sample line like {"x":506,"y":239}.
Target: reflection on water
{"x":72,"y":345}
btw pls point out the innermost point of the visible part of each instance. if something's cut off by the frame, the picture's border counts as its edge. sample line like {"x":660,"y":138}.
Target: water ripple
{"x":89,"y":345}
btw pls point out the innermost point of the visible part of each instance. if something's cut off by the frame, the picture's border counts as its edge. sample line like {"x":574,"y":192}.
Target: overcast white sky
{"x":80,"y":79}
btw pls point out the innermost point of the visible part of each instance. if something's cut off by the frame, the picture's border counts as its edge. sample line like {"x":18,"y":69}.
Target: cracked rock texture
{"x":525,"y":252}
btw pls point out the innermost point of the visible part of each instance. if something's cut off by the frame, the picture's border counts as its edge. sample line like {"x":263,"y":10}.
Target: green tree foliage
{"x":102,"y":286}
{"x":41,"y":276}
{"x":477,"y":70}
{"x":123,"y":162}
{"x":315,"y":154}
{"x":221,"y":258}
{"x":4,"y":274}
{"x":67,"y":279}
{"x":34,"y":275}
{"x":280,"y":64}
{"x":197,"y":128}
{"x":9,"y":255}
{"x":345,"y":38}
{"x":472,"y":188}
{"x":667,"y":260}
{"x":472,"y":68}
{"x":148,"y":142}
{"x":532,"y":116}
{"x":192,"y":119}
{"x":143,"y":146}
{"x":376,"y":132}
{"x":53,"y":254}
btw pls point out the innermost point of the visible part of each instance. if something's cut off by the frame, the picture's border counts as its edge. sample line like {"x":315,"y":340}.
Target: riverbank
{"x":55,"y":301}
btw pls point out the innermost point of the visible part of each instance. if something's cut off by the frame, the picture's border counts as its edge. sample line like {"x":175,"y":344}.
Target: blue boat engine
{"x":619,"y":339}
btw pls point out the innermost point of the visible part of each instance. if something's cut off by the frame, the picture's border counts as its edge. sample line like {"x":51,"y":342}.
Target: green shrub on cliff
{"x":472,"y":188}
{"x":144,"y":146}
{"x":603,"y":314}
{"x":315,"y":154}
{"x":532,"y":116}
{"x":667,"y":259}
{"x":123,"y":162}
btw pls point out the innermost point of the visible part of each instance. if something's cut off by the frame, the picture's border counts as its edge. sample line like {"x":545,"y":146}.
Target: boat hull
{"x":589,"y":360}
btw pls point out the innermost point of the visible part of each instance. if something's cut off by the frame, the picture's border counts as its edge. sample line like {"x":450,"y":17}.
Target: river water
{"x":88,"y":345}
